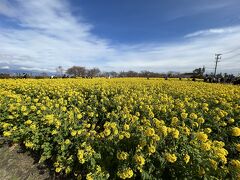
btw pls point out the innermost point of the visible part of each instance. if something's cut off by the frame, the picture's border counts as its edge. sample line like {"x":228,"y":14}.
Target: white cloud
{"x":216,"y":31}
{"x":4,"y":67}
{"x":186,"y":55}
{"x":191,"y":8}
{"x":49,"y":36}
{"x":5,"y":9}
{"x":33,"y":69}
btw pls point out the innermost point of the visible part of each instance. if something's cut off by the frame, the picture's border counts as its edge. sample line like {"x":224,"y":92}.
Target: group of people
{"x":228,"y":79}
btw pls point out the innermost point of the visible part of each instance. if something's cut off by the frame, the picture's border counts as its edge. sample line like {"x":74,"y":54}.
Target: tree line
{"x":80,"y":71}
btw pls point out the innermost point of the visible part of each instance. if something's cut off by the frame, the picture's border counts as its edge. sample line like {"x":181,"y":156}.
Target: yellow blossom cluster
{"x":127,"y":128}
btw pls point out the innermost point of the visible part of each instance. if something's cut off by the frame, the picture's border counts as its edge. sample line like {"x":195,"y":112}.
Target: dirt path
{"x":19,"y":166}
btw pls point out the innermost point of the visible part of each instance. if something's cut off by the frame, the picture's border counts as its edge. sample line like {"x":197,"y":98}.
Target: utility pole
{"x":217,"y":57}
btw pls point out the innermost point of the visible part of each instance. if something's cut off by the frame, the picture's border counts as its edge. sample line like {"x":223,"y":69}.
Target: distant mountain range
{"x":21,"y":71}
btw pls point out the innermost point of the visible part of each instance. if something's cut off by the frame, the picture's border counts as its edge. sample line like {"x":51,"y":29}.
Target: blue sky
{"x":156,"y":35}
{"x":141,"y":21}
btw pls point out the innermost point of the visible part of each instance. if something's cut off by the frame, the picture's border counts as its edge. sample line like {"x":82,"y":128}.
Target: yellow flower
{"x":80,"y":156}
{"x":58,"y":124}
{"x":174,"y":121}
{"x":33,"y":108}
{"x":68,"y":170}
{"x":222,"y":151}
{"x":218,"y":143}
{"x":29,"y":144}
{"x":5,"y":125}
{"x":89,"y":176}
{"x":184,"y":115}
{"x":64,"y":109}
{"x":43,"y":108}
{"x":195,"y":124}
{"x":236,"y":131}
{"x":186,"y":131}
{"x":206,"y":146}
{"x":113,"y":125}
{"x":49,"y":119}
{"x":88,"y":125}
{"x":122,"y":155}
{"x":127,"y":135}
{"x":149,"y":132}
{"x":7,"y":133}
{"x":126,"y":127}
{"x":126,"y":173}
{"x":200,"y":120}
{"x":39,"y":112}
{"x":11,"y":117}
{"x":217,"y":118}
{"x":164,"y":130}
{"x":231,"y":120}
{"x":67,"y":142}
{"x":152,"y":149}
{"x":186,"y":158}
{"x":107,"y":132}
{"x":193,"y":116}
{"x":202,"y":136}
{"x":73,"y":133}
{"x":58,"y":169}
{"x":33,"y":127}
{"x":91,"y":114}
{"x":98,"y":169}
{"x":170,"y":157}
{"x":156,"y":137}
{"x":79,"y":116}
{"x":238,"y":147}
{"x":205,"y":108}
{"x":54,"y":132}
{"x":139,"y":160}
{"x":115,"y":131}
{"x":222,"y":158}
{"x":121,"y":136}
{"x":208,"y":130}
{"x":235,"y":163}
{"x":140,"y":128}
{"x":23,"y":108}
{"x":175,"y":133}
{"x":213,"y":164}
{"x":130,"y":173}
{"x":28,"y":122}
{"x":201,"y":171}
{"x":205,"y":105}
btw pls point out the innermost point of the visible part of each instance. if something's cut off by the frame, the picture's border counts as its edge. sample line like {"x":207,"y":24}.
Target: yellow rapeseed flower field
{"x":130,"y":128}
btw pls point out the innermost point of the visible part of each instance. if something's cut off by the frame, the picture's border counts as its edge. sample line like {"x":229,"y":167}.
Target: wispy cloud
{"x":48,"y":35}
{"x":208,"y":32}
{"x":4,"y":67}
{"x":33,"y":69}
{"x":190,"y":8}
{"x":192,"y":52}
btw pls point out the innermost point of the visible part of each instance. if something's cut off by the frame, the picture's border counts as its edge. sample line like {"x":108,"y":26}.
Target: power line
{"x":232,"y":56}
{"x":231,"y":51}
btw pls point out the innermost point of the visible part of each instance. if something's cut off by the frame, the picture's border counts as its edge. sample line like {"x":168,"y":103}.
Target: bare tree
{"x":198,"y":72}
{"x":77,"y":71}
{"x":93,"y":72}
{"x":59,"y":70}
{"x":113,"y":74}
